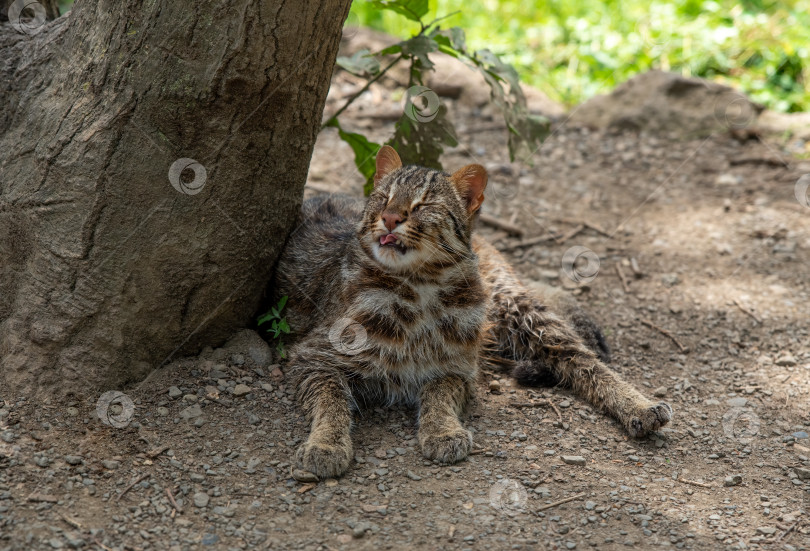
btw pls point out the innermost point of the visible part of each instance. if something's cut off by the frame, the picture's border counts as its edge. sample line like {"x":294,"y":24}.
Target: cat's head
{"x":417,"y":217}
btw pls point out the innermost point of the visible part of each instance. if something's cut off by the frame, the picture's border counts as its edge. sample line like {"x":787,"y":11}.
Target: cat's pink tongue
{"x":389,"y":238}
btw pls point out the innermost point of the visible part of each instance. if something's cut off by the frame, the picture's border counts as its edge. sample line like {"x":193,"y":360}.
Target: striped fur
{"x":381,"y":324}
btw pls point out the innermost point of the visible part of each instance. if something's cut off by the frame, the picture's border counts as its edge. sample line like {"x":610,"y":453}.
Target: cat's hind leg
{"x":552,"y":341}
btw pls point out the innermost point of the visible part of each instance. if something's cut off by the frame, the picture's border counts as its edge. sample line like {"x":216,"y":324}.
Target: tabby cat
{"x":425,"y":303}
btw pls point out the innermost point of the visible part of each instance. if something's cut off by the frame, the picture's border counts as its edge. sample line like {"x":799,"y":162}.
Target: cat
{"x":396,"y":301}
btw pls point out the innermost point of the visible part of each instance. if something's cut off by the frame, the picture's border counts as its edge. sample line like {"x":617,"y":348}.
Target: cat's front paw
{"x":649,"y":420}
{"x":449,"y":447}
{"x":324,"y":460}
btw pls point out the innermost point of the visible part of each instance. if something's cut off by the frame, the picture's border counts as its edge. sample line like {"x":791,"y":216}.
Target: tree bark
{"x":114,"y":258}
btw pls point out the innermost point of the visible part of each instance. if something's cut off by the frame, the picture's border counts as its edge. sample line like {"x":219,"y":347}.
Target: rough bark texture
{"x":107,"y":270}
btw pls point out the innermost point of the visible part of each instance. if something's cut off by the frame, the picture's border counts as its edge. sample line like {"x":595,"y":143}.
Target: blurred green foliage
{"x":573,"y":49}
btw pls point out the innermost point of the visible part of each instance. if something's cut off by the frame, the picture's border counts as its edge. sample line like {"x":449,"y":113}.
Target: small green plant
{"x":424,"y":129}
{"x":278,"y":325}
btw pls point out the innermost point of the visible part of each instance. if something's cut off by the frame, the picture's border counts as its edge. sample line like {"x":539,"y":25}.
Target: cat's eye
{"x":416,"y":208}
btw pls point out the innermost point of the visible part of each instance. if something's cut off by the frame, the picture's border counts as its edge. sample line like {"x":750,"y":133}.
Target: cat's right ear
{"x":387,"y":162}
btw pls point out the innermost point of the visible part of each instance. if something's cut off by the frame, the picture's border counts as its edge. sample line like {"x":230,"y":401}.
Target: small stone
{"x":267,"y":387}
{"x":590,"y":505}
{"x":733,"y":480}
{"x":56,"y":543}
{"x":766,"y":530}
{"x":253,"y":419}
{"x":241,"y":390}
{"x":175,"y":393}
{"x":201,"y":499}
{"x":190,"y":398}
{"x":802,"y":473}
{"x":72,"y":412}
{"x":660,"y":392}
{"x":163,"y":412}
{"x":495,"y":387}
{"x":111,"y":464}
{"x":574,"y":460}
{"x":73,"y":459}
{"x":413,"y":476}
{"x":786,"y":360}
{"x":304,"y":476}
{"x":8,"y":436}
{"x":737,"y":402}
{"x":727,"y":179}
{"x":42,"y":461}
{"x":238,"y":359}
{"x":191,"y":412}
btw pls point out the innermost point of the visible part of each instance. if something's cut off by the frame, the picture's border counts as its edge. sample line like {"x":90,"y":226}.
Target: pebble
{"x":241,"y":390}
{"x":495,"y":387}
{"x":660,"y":392}
{"x":574,"y":460}
{"x":413,"y":476}
{"x":304,"y":476}
{"x":72,"y":412}
{"x":802,"y":473}
{"x":163,"y":412}
{"x":253,"y":419}
{"x":732,"y":480}
{"x":201,"y":499}
{"x":800,"y":435}
{"x":73,"y":459}
{"x":8,"y":436}
{"x":175,"y":393}
{"x":111,"y":464}
{"x":191,"y":412}
{"x":786,"y":361}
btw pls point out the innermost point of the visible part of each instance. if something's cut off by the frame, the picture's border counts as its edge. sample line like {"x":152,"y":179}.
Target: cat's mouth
{"x":391,"y":241}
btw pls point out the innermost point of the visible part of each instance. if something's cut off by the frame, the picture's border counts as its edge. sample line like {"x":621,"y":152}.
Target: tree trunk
{"x":152,"y":162}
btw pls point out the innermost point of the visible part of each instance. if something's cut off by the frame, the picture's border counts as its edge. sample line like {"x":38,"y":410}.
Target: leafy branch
{"x":278,"y":325}
{"x":424,"y":129}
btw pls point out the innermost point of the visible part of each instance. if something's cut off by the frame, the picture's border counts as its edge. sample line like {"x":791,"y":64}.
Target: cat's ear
{"x":387,"y":162}
{"x":470,"y":182}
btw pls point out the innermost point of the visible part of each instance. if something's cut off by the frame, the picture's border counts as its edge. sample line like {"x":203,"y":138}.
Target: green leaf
{"x":362,"y":63}
{"x":264,"y":319}
{"x":392,"y":49}
{"x":422,"y":142}
{"x":282,"y":303}
{"x":419,"y":47}
{"x":364,"y":154}
{"x":284,"y":326}
{"x":414,"y":10}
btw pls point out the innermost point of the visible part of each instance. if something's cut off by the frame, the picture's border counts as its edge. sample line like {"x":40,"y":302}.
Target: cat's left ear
{"x":470,"y":182}
{"x":387,"y":162}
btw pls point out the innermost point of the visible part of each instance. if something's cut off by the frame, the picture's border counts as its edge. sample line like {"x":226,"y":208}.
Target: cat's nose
{"x":391,"y":220}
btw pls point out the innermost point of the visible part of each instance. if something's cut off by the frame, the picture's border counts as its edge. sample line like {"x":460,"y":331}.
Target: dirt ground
{"x":702,"y":249}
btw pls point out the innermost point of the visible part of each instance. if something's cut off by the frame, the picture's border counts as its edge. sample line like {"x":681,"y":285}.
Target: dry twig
{"x":560,"y":502}
{"x":128,"y":488}
{"x":747,"y":311}
{"x":500,"y":224}
{"x":665,"y":333}
{"x":622,"y":278}
{"x":173,"y":502}
{"x":694,"y":483}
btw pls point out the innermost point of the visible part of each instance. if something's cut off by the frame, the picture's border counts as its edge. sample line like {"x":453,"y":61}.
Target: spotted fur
{"x":394,"y":301}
